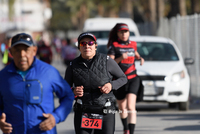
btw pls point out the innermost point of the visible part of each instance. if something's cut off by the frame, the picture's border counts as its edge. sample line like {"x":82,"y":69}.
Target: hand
{"x":141,"y":61}
{"x":106,"y":88}
{"x":78,"y":91}
{"x":5,"y":127}
{"x":125,"y":55}
{"x":49,"y":123}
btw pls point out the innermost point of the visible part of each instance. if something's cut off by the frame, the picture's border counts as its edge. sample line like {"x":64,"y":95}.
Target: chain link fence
{"x":185,"y":32}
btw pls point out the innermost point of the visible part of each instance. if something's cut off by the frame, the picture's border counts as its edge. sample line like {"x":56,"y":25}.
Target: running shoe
{"x":126,"y":132}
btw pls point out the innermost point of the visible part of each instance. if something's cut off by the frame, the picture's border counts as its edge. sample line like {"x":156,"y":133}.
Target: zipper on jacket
{"x":25,"y":109}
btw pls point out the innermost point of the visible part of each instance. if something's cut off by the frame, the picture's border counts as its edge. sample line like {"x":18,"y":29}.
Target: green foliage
{"x":70,"y":14}
{"x":61,"y":16}
{"x":64,"y":11}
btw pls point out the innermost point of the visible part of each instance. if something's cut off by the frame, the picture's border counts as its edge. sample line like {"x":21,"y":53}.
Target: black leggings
{"x":107,"y":128}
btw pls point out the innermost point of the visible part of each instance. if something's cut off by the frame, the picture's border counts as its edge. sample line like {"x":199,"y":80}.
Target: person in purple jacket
{"x":27,"y":88}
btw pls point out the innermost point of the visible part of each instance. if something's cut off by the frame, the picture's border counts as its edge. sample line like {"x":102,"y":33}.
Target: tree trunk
{"x":174,"y":4}
{"x":126,"y":9}
{"x":161,"y":6}
{"x":152,"y":7}
{"x":100,"y":10}
{"x":82,"y":15}
{"x":195,"y":6}
{"x":182,"y":5}
{"x":153,"y":16}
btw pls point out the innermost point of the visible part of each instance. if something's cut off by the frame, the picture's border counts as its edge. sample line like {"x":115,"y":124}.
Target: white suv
{"x":164,"y":74}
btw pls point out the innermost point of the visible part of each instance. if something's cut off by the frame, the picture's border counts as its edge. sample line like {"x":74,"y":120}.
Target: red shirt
{"x":127,"y":65}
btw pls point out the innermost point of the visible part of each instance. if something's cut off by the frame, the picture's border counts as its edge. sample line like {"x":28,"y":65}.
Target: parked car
{"x":101,"y":27}
{"x":164,"y":73}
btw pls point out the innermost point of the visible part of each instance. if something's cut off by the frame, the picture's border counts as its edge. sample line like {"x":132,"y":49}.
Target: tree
{"x":177,"y":7}
{"x":195,"y":6}
{"x":182,"y":5}
{"x":161,"y":8}
{"x":61,"y":16}
{"x":126,"y":8}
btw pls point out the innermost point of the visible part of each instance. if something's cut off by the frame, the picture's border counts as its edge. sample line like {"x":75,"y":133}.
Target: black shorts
{"x":132,"y":86}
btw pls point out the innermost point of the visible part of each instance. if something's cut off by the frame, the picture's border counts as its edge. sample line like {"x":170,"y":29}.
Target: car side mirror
{"x":189,"y":61}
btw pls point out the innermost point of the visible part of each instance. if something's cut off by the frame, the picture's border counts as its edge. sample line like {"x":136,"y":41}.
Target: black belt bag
{"x":89,"y":108}
{"x":92,"y":109}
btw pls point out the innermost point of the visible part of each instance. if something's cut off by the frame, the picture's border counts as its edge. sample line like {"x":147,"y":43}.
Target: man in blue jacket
{"x":27,"y":88}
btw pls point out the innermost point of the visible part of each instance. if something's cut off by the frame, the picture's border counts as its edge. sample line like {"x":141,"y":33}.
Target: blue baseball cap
{"x":22,"y":38}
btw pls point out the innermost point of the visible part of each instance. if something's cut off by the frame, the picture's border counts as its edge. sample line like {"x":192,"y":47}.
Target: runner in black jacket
{"x":94,"y":77}
{"x":124,"y":52}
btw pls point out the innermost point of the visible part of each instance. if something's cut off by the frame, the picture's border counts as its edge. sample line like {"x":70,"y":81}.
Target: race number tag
{"x":92,"y":121}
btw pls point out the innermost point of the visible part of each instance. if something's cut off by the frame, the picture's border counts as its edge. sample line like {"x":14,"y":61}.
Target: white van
{"x":101,"y":27}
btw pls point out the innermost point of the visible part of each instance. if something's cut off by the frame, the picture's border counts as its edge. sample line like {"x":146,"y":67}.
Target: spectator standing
{"x":68,"y":52}
{"x":6,"y":55}
{"x":44,"y":52}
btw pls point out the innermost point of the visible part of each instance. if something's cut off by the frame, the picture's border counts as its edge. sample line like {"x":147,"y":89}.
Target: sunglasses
{"x":84,"y":43}
{"x":22,"y":37}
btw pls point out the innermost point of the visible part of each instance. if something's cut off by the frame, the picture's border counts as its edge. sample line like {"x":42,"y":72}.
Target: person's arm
{"x":137,"y":55}
{"x":65,"y":95}
{"x":78,"y":91}
{"x":119,"y":59}
{"x":117,"y":73}
{"x":111,"y":53}
{"x":69,"y":76}
{"x":4,"y":126}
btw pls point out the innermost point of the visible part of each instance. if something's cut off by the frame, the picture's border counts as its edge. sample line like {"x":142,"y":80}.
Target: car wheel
{"x":184,"y":106}
{"x":172,"y":105}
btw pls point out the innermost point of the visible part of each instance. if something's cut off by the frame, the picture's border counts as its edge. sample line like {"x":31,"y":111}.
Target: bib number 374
{"x":92,"y":121}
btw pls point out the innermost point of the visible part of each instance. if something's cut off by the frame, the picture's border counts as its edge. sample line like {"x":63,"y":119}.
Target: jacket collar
{"x":12,"y":67}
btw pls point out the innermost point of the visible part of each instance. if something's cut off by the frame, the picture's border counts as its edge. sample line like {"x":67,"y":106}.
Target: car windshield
{"x":151,"y":51}
{"x":104,"y":34}
{"x":157,"y":51}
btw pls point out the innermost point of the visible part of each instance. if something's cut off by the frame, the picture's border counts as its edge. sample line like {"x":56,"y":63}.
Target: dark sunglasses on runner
{"x":84,"y":43}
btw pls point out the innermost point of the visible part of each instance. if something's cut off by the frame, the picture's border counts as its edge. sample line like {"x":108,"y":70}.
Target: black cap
{"x":86,"y":34}
{"x":22,"y":38}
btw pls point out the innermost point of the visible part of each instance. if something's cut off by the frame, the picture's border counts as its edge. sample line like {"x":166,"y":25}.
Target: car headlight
{"x":178,"y":76}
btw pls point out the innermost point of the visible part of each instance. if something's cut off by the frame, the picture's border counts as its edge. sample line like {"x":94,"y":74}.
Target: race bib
{"x":92,"y":121}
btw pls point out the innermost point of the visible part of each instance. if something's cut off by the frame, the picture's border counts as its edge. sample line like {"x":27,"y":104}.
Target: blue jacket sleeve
{"x":1,"y":105}
{"x":1,"y":102}
{"x":65,"y":95}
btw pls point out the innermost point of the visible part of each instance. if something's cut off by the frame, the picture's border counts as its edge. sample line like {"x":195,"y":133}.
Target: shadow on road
{"x":184,"y":128}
